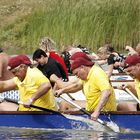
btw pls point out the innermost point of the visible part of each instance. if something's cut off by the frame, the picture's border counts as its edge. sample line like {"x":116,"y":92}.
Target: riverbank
{"x":88,"y":22}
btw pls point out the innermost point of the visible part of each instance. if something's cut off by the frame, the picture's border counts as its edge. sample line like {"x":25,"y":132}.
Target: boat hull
{"x":125,"y":120}
{"x":39,"y":120}
{"x":43,"y":120}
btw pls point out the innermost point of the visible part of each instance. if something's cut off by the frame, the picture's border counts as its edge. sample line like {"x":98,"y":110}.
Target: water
{"x":51,"y":134}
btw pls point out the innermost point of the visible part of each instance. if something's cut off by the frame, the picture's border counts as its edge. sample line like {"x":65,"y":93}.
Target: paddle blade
{"x":113,"y":126}
{"x":92,"y":125}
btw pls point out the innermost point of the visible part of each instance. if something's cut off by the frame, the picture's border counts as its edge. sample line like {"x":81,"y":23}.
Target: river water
{"x":7,"y":133}
{"x":51,"y":134}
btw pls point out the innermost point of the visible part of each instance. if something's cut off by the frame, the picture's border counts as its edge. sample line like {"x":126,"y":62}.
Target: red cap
{"x":79,"y":54}
{"x":81,"y":61}
{"x":17,"y":60}
{"x":132,"y":60}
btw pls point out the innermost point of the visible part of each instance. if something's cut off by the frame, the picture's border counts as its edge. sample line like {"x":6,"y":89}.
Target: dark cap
{"x":79,"y":54}
{"x":18,"y":60}
{"x":132,"y":60}
{"x":81,"y":61}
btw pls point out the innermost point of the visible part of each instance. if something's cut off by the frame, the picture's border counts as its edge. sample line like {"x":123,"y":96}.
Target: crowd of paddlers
{"x":42,"y":79}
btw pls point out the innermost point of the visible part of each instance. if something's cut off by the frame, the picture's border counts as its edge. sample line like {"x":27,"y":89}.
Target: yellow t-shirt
{"x":97,"y":81}
{"x":34,"y":78}
{"x":137,"y":87}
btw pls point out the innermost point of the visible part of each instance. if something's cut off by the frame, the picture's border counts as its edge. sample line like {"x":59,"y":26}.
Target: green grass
{"x":91,"y":23}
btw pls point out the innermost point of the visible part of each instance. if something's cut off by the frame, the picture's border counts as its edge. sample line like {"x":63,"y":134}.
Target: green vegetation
{"x":91,"y":23}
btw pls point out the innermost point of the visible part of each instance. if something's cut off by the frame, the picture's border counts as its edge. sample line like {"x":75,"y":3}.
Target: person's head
{"x":77,"y":55}
{"x":81,"y":66}
{"x":132,"y":65}
{"x":103,"y":53}
{"x":40,"y":56}
{"x":18,"y":65}
{"x":47,"y":44}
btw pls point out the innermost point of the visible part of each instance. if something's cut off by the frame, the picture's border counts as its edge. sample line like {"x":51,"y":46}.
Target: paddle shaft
{"x":71,"y":96}
{"x":82,"y":109}
{"x":128,"y":91}
{"x":33,"y":106}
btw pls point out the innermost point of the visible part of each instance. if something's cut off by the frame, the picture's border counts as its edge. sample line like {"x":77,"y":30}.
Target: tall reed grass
{"x":91,"y":23}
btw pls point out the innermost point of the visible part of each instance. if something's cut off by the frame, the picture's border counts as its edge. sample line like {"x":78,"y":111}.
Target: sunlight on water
{"x":57,"y":134}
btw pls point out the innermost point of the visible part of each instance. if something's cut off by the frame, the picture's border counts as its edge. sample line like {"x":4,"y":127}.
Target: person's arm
{"x":101,"y":62}
{"x":103,"y":100}
{"x":57,"y":80}
{"x":60,"y":84}
{"x":130,"y":50}
{"x":72,"y":88}
{"x":110,"y":70}
{"x":130,"y":86}
{"x":1,"y":68}
{"x":7,"y":85}
{"x":103,"y":85}
{"x":43,"y":89}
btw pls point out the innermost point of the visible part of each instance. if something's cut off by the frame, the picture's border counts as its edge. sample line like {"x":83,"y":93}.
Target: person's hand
{"x":28,"y":103}
{"x":122,"y":86}
{"x":58,"y":92}
{"x":95,"y":115}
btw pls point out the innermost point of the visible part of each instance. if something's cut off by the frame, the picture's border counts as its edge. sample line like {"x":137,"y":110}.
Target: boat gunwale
{"x":121,"y":80}
{"x":66,"y":112}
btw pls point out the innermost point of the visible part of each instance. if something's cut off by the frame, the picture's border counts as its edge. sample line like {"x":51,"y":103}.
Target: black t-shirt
{"x":115,"y":58}
{"x":110,"y":59}
{"x":52,"y":67}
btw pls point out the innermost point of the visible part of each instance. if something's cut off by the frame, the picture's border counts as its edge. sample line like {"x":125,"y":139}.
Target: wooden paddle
{"x":33,"y":106}
{"x":128,"y":91}
{"x":114,"y":128}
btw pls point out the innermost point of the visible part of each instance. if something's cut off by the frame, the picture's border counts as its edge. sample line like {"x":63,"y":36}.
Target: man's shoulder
{"x":96,"y":70}
{"x":33,"y":71}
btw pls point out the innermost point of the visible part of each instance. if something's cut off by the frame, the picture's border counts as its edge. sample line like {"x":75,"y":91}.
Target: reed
{"x":88,"y":22}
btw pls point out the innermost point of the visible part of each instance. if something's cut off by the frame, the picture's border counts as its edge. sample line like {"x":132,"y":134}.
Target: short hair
{"x":38,"y":53}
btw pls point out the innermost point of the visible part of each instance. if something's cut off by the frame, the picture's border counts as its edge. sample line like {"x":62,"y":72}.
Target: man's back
{"x":4,"y":73}
{"x":51,"y":67}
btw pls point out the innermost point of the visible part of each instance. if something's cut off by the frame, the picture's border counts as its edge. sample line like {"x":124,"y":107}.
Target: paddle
{"x":33,"y":106}
{"x":80,"y":121}
{"x":115,"y":128}
{"x":71,"y":96}
{"x":128,"y":91}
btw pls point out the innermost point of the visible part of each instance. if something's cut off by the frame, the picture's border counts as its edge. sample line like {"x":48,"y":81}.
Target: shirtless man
{"x":5,"y":74}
